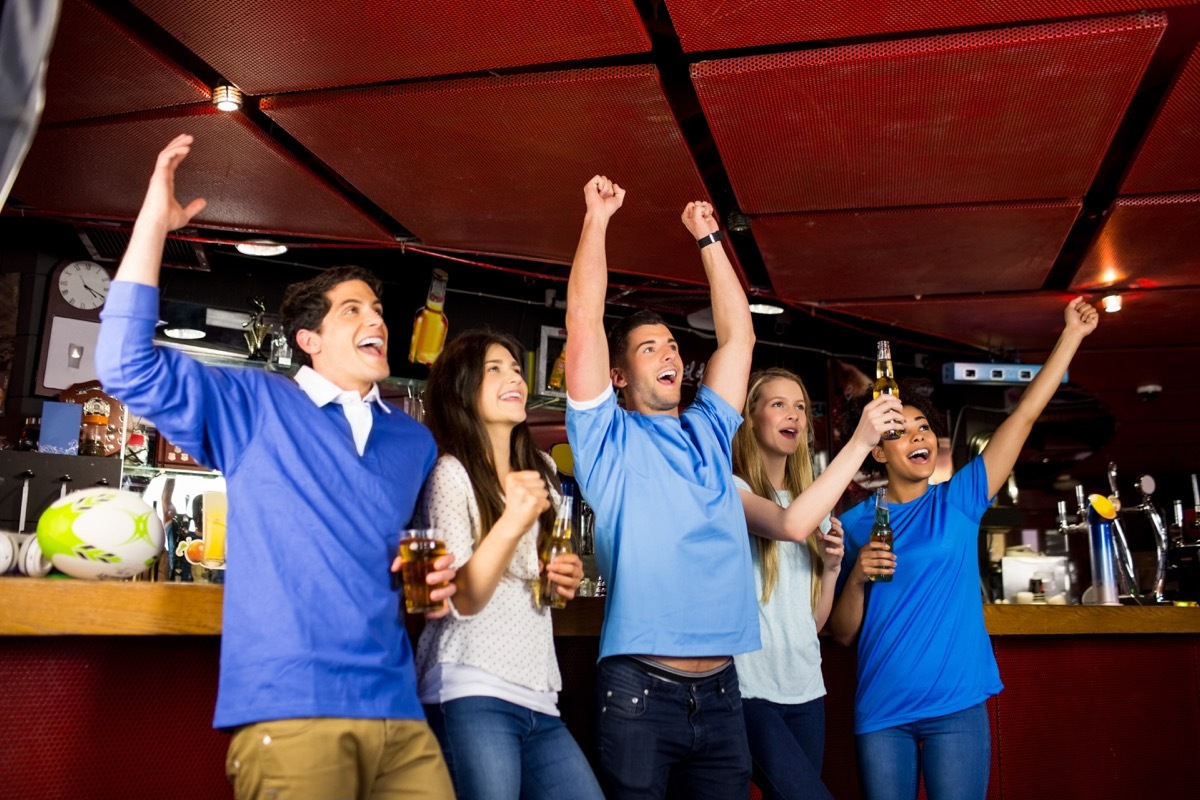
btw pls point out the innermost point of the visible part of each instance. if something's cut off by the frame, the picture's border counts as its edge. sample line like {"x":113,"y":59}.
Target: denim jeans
{"x":658,"y":733}
{"x":952,"y":753}
{"x":498,"y":750}
{"x":787,"y":743}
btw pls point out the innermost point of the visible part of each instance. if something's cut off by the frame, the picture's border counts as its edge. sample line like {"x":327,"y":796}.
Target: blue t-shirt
{"x":671,"y":536}
{"x":923,"y":650}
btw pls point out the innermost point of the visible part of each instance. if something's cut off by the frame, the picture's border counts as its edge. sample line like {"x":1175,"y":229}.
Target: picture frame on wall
{"x":549,"y":378}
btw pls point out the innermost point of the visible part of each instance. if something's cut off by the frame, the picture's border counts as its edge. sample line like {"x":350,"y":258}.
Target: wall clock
{"x":75,"y":294}
{"x":83,"y":284}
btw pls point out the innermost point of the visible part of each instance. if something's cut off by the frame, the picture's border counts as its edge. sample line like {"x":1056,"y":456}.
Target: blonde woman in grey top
{"x":797,"y":551}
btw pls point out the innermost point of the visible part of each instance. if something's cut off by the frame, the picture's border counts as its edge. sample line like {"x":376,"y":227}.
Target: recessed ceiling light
{"x":261,"y":247}
{"x":769,"y":309}
{"x":184,"y":333}
{"x":1112,"y":303}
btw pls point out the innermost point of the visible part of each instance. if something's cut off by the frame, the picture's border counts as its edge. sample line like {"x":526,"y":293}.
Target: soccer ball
{"x":100,"y":534}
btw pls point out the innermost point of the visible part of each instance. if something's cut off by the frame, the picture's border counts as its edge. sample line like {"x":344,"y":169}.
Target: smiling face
{"x":913,"y":457}
{"x":780,"y":417}
{"x":502,"y":392}
{"x":350,"y":346}
{"x":652,"y":374}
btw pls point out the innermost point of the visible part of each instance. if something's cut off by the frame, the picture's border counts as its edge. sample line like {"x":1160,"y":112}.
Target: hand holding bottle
{"x":565,"y":571}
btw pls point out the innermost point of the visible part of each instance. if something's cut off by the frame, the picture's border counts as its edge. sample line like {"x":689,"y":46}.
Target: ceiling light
{"x":184,"y":333}
{"x":767,"y":309}
{"x":737,"y":222}
{"x":1112,"y":303}
{"x":261,"y":247}
{"x":227,"y":98}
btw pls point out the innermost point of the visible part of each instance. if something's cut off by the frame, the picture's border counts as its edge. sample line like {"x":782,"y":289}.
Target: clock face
{"x":84,"y":284}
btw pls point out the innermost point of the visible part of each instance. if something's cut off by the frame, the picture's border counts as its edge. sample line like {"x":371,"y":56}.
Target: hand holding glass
{"x":419,"y":549}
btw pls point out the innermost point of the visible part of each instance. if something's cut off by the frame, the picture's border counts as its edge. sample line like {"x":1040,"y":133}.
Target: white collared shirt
{"x":357,"y":408}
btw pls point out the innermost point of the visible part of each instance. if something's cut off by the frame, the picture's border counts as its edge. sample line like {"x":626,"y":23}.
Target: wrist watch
{"x":705,"y":241}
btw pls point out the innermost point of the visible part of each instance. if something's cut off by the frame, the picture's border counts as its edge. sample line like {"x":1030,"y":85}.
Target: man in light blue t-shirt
{"x":670,"y":532}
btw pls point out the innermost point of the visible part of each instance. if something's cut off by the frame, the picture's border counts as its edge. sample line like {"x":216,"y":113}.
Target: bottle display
{"x":885,"y":379}
{"x":881,"y":529}
{"x":430,"y":324}
{"x":558,"y":373}
{"x":93,"y":428}
{"x":556,"y":544}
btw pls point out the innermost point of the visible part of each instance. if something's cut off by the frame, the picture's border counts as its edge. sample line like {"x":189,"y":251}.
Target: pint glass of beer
{"x":419,"y":548}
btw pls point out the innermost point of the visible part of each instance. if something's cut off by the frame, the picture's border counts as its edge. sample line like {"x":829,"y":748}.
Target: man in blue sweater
{"x":317,"y":682}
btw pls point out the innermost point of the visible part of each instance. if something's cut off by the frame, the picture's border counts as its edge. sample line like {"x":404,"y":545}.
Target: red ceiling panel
{"x":282,"y":46}
{"x":1146,"y":241}
{"x":921,"y":251}
{"x":1033,"y":322}
{"x":705,"y":25}
{"x":101,"y":170}
{"x":991,"y":116}
{"x":1169,"y":158}
{"x":98,"y":67}
{"x":498,"y":164}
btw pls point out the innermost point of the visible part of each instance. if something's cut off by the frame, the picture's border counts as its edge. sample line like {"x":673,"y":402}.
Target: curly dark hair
{"x":305,"y":304}
{"x":618,"y":335}
{"x":914,"y":392}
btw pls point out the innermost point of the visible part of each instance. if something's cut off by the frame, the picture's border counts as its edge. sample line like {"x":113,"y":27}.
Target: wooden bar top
{"x":55,"y":607}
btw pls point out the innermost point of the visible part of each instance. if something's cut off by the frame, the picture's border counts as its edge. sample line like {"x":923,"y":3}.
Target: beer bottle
{"x":881,"y":531}
{"x":430,"y":324}
{"x":558,"y":373}
{"x":885,"y":380}
{"x":545,"y":593}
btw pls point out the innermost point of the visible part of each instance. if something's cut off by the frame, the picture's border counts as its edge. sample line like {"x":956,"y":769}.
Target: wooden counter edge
{"x":58,"y":607}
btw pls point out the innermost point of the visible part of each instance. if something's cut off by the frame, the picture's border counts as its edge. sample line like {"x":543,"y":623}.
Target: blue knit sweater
{"x":310,"y":625}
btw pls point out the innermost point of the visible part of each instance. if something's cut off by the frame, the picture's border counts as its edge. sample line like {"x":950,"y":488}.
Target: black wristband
{"x":705,"y":241}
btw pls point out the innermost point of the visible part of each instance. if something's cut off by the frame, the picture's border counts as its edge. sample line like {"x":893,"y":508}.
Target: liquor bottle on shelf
{"x":885,"y":379}
{"x":881,"y":530}
{"x":430,"y":324}
{"x":545,"y":593}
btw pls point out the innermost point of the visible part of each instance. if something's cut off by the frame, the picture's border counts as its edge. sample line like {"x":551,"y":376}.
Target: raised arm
{"x":160,"y":214}
{"x":729,"y":367}
{"x":587,"y":349}
{"x":771,"y":521}
{"x":1001,"y":453}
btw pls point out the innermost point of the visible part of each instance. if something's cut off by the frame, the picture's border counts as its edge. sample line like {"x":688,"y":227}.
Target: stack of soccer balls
{"x":100,"y":534}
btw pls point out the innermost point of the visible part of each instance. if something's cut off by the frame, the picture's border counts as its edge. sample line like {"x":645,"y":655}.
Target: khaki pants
{"x":337,"y":759}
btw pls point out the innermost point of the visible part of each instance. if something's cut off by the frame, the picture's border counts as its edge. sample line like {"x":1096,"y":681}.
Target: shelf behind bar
{"x":55,"y":607}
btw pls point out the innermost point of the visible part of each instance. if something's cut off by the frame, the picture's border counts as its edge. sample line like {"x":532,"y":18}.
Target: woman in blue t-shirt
{"x":782,"y":691}
{"x":925,"y":662}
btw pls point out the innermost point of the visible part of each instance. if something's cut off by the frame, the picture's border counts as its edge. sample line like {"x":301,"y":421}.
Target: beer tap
{"x":1126,"y":575}
{"x":1145,"y":485}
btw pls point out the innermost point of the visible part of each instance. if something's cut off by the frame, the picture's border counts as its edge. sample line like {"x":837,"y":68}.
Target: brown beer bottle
{"x":545,"y":593}
{"x":881,"y":530}
{"x":885,"y":380}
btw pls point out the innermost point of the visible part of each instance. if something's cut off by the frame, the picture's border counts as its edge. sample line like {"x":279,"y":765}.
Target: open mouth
{"x":919,"y":456}
{"x":372,"y":345}
{"x":511,"y":396}
{"x":667,"y":377}
{"x":788,"y":433}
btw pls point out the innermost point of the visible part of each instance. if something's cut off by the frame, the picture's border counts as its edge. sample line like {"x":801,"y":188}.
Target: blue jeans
{"x":952,"y":753}
{"x":497,"y":750}
{"x":659,"y":733}
{"x":787,"y":743}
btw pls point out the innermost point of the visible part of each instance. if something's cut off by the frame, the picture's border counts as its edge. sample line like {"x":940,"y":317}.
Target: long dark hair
{"x":451,"y":395}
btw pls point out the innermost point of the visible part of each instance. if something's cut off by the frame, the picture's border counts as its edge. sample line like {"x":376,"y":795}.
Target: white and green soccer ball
{"x":100,"y":534}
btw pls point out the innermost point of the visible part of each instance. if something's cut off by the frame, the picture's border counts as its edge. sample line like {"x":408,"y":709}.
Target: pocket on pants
{"x":624,"y":691}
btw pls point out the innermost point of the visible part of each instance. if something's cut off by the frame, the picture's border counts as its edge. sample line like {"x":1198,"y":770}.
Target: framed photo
{"x":550,"y":378}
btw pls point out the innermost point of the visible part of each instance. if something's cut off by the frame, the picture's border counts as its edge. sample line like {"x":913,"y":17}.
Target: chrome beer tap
{"x":1145,"y":485}
{"x":1126,"y":575}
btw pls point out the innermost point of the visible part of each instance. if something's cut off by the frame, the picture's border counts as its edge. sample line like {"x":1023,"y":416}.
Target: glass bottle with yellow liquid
{"x":430,"y":325}
{"x":885,"y":380}
{"x":881,"y":530}
{"x":545,"y":592}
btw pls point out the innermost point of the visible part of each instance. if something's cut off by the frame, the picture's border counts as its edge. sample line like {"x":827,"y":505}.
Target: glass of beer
{"x":419,"y":548}
{"x":216,"y":506}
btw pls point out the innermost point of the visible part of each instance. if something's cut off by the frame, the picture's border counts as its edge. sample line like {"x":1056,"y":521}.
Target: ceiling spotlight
{"x":227,"y":98}
{"x":261,"y":247}
{"x":767,"y":309}
{"x":1112,"y":303}
{"x":737,"y":222}
{"x":184,"y":333}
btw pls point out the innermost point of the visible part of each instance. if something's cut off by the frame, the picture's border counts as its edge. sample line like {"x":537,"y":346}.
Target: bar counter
{"x":50,"y":607}
{"x":119,"y":680}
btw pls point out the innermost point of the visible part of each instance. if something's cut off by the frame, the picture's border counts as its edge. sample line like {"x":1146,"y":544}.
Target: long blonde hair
{"x":797,"y":476}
